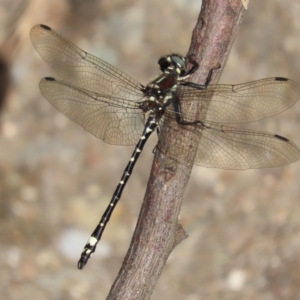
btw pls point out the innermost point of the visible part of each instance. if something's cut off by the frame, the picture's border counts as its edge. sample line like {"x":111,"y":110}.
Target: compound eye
{"x":178,"y":60}
{"x":179,"y":63}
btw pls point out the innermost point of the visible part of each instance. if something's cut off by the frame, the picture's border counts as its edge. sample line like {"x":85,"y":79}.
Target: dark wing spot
{"x":281,"y":137}
{"x":281,"y":79}
{"x":45,"y":27}
{"x":49,"y":78}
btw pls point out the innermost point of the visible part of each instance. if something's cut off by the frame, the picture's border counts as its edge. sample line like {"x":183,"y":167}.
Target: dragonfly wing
{"x":225,"y":147}
{"x":242,"y":103}
{"x":108,"y":118}
{"x":240,"y":149}
{"x":81,"y":69}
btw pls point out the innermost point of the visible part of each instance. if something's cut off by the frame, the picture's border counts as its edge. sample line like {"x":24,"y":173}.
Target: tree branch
{"x":158,"y":232}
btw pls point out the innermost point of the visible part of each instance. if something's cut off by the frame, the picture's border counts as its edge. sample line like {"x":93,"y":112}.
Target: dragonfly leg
{"x":201,"y":86}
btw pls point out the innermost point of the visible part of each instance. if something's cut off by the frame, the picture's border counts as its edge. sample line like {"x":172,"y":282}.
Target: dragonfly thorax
{"x":160,"y":92}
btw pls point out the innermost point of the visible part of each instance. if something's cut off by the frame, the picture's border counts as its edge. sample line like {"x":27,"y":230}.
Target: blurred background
{"x":56,"y":179}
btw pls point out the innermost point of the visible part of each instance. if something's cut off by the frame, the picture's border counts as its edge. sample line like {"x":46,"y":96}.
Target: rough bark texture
{"x":158,"y":231}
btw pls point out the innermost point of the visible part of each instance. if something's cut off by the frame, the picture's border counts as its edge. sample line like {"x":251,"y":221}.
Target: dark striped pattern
{"x":91,"y":245}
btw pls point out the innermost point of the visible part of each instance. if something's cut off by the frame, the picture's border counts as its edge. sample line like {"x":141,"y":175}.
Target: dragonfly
{"x":119,"y":110}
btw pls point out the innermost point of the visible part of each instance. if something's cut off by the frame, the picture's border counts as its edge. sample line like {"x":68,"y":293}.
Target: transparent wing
{"x":242,"y":103}
{"x":81,"y":69}
{"x":236,"y":149}
{"x":103,"y":100}
{"x":225,"y":147}
{"x":114,"y":120}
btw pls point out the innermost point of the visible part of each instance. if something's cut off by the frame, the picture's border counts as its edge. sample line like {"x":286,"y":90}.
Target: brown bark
{"x":158,"y":231}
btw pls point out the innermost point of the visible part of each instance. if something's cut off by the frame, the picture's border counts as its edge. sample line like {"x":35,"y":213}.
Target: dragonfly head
{"x":173,"y":64}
